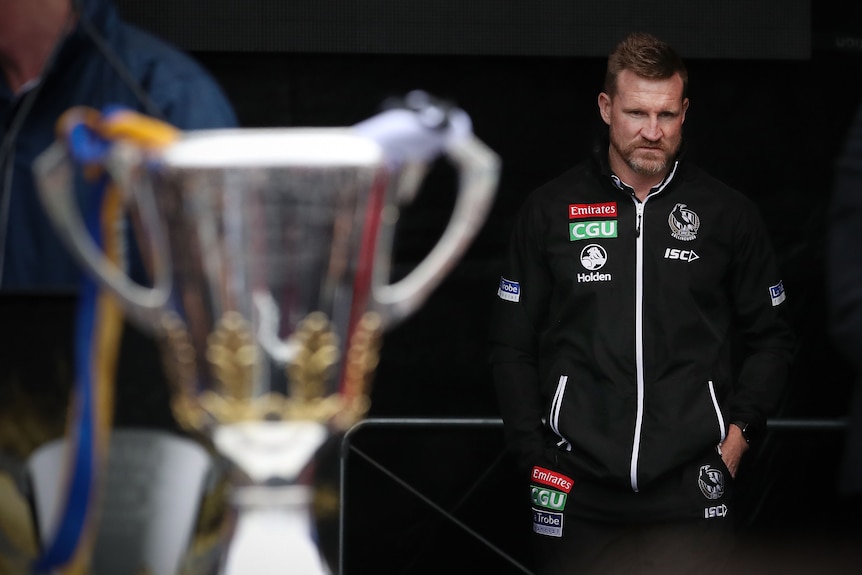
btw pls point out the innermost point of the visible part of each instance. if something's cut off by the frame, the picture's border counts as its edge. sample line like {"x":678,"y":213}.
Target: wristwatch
{"x":745,"y":428}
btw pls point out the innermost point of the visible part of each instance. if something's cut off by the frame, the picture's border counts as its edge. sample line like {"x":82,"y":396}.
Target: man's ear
{"x":605,"y":107}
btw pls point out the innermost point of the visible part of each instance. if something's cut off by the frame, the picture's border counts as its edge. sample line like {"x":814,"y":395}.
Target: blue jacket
{"x":103,"y":61}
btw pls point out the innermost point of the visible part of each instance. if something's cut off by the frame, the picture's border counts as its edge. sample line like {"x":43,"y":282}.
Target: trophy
{"x":270,"y":254}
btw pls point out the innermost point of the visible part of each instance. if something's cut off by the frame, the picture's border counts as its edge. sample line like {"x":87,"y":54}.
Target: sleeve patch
{"x":776,"y":293}
{"x":509,"y":290}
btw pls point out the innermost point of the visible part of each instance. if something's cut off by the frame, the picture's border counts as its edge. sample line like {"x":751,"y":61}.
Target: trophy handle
{"x":478,"y":172}
{"x":54,"y":173}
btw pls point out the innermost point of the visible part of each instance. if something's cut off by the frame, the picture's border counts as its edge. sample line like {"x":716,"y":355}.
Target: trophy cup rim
{"x":272,"y":148}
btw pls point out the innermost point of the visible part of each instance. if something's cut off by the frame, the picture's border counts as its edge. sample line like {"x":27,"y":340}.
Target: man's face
{"x":645,"y":118}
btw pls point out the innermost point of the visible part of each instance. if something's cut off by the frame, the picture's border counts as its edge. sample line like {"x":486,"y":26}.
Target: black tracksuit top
{"x":611,"y":333}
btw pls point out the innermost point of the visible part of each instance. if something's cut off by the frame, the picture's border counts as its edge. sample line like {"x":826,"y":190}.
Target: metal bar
{"x":777,"y":424}
{"x":428,"y":501}
{"x":402,"y":422}
{"x":807,"y":424}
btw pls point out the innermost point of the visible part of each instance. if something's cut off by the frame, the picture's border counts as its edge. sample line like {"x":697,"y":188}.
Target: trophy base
{"x":274,"y":533}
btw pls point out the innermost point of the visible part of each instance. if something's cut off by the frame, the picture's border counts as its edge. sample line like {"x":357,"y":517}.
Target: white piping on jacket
{"x":718,"y":415}
{"x":557,"y":403}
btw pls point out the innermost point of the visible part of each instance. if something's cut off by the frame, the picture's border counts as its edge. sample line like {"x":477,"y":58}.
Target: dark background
{"x":773,"y":86}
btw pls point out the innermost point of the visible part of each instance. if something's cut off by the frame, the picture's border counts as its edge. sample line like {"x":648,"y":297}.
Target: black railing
{"x":348,"y":447}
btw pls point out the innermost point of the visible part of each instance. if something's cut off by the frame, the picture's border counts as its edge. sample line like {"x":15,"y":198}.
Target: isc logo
{"x":684,"y":255}
{"x":715,"y":511}
{"x":548,"y":498}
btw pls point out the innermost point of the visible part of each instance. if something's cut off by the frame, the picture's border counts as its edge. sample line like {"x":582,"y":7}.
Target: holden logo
{"x":593,"y":257}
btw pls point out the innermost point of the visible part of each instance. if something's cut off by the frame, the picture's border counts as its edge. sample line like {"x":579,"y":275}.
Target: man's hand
{"x":732,"y":448}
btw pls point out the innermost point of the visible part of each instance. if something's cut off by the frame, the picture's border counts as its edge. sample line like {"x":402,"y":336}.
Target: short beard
{"x":644,"y":167}
{"x":647,"y":168}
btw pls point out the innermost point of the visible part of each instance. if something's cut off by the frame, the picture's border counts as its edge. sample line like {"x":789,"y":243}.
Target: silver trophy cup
{"x":270,"y":252}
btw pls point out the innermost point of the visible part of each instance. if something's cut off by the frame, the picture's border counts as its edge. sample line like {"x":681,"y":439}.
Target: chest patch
{"x":683,"y":222}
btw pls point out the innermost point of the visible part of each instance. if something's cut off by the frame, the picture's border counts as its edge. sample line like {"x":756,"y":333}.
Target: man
{"x":613,"y":346}
{"x":845,"y":295}
{"x":56,"y":54}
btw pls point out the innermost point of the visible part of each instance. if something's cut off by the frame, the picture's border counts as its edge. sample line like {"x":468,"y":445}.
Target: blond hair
{"x":646,"y":56}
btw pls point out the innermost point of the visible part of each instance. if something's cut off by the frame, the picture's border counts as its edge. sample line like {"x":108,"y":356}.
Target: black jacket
{"x":845,"y":290}
{"x":613,"y":335}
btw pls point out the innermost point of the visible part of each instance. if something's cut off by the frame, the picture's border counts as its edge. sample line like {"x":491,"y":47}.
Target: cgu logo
{"x":548,"y":498}
{"x":593,"y":229}
{"x":684,"y":255}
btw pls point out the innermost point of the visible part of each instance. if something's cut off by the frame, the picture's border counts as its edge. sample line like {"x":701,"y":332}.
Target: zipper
{"x":633,"y":471}
{"x":639,"y":341}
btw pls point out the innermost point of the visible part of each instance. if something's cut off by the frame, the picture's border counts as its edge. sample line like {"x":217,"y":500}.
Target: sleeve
{"x":844,"y":263}
{"x":844,"y":290}
{"x":208,"y":111}
{"x":194,"y":100}
{"x":187,"y":95}
{"x":516,"y":318}
{"x":762,"y":318}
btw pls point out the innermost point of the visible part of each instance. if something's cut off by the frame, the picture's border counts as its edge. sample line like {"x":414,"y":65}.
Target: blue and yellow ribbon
{"x":89,"y":136}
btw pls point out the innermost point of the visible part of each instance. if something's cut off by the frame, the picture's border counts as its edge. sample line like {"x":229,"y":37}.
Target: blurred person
{"x":844,"y":279}
{"x":59,"y":54}
{"x":638,"y":341}
{"x":56,"y":54}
